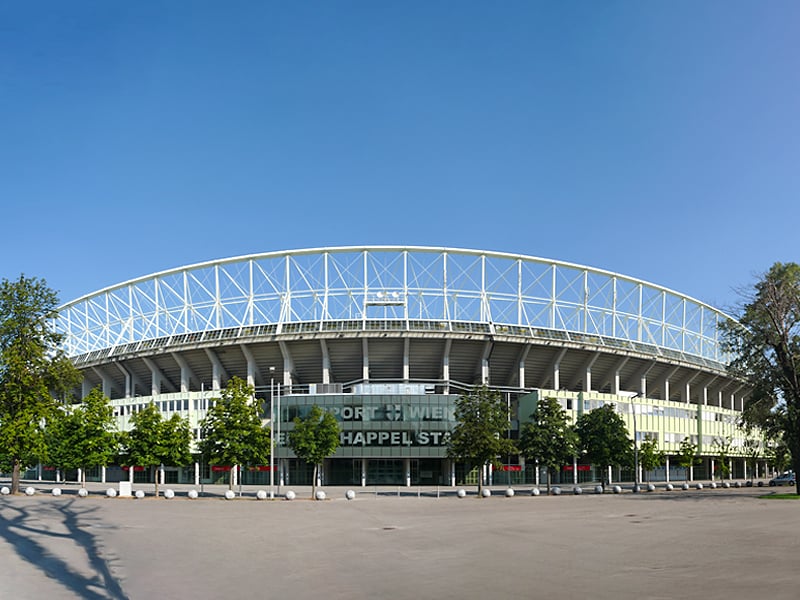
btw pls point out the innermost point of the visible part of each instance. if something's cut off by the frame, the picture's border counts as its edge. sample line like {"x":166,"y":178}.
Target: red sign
{"x":580,"y":468}
{"x":511,"y":468}
{"x":220,"y":468}
{"x":49,"y":468}
{"x":135,"y":469}
{"x":262,"y":468}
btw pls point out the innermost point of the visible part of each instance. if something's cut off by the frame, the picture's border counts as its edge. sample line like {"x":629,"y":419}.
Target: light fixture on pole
{"x":635,"y":445}
{"x":271,"y":432}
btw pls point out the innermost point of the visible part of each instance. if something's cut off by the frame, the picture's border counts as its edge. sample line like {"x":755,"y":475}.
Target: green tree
{"x":753,"y":450}
{"x":765,"y":344}
{"x":603,"y":437}
{"x":650,"y":457}
{"x":314,"y":438}
{"x":723,"y":446}
{"x":32,"y":369}
{"x":687,"y":455}
{"x":778,"y":456}
{"x":478,"y":438}
{"x":83,"y":436}
{"x":153,"y":441}
{"x":232,"y":432}
{"x":548,"y":439}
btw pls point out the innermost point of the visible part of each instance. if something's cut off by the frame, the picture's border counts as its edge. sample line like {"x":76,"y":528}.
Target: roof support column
{"x":155,"y":376}
{"x":187,"y":375}
{"x":446,"y":366}
{"x":487,"y":352}
{"x":406,"y":360}
{"x":253,"y":375}
{"x":128,"y":381}
{"x":365,"y":360}
{"x":86,"y":388}
{"x":217,"y":370}
{"x":521,"y":362}
{"x":288,"y":365}
{"x":555,"y":368}
{"x":326,"y":361}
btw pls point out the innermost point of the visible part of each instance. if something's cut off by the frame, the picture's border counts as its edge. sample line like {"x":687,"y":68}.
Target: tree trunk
{"x":549,"y":475}
{"x":480,"y":481}
{"x":15,"y":477}
{"x":155,"y":469}
{"x":314,"y":482}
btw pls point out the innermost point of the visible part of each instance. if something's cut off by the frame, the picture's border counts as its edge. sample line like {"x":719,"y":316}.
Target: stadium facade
{"x":387,"y":337}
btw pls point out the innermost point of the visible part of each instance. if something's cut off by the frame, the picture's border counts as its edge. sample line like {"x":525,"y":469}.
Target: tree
{"x":687,"y":455}
{"x":232,"y":431}
{"x":548,"y":439}
{"x":154,"y":441}
{"x":778,"y":456}
{"x":765,"y":344}
{"x":723,"y":446}
{"x":650,"y":457}
{"x":82,"y":436}
{"x":478,"y":438}
{"x":31,"y":366}
{"x":753,"y":450}
{"x":604,"y":438}
{"x":314,"y":438}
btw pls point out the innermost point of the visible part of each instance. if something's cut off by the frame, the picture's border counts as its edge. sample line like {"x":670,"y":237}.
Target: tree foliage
{"x":650,"y":456}
{"x":603,"y":437}
{"x":482,"y":421}
{"x":154,"y":441}
{"x":766,"y":348}
{"x":32,"y":369}
{"x":548,"y":439}
{"x":723,"y":445}
{"x":232,"y":432}
{"x":82,"y":436}
{"x":314,"y":438}
{"x":687,"y":455}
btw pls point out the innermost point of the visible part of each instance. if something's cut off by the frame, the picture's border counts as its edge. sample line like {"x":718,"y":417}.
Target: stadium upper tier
{"x":519,"y":314}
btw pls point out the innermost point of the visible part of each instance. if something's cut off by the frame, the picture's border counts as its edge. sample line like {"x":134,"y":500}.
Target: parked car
{"x":785,"y":479}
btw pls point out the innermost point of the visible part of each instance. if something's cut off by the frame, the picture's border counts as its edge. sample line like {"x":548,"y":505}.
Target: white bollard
{"x":349,"y":494}
{"x":461,"y":493}
{"x":598,"y":489}
{"x":56,"y":491}
{"x":169,"y":494}
{"x":669,"y":487}
{"x":699,"y":486}
{"x":5,"y":491}
{"x":556,"y":491}
{"x":111,"y":493}
{"x":320,"y":495}
{"x":83,"y":492}
{"x":651,"y":487}
{"x":230,"y":494}
{"x":486,"y":492}
{"x":510,"y":493}
{"x":139,"y":494}
{"x":290,"y":495}
{"x":616,"y":489}
{"x":192,"y":494}
{"x":577,"y":491}
{"x":261,"y":495}
{"x":685,"y":486}
{"x":29,"y":491}
{"x":535,"y":492}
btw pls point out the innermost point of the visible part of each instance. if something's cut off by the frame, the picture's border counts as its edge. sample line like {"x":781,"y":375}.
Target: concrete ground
{"x":723,"y":543}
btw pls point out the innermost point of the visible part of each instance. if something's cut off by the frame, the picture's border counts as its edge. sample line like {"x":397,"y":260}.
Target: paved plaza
{"x":723,"y":543}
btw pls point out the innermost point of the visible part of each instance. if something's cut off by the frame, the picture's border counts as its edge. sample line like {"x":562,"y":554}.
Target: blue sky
{"x":656,"y":139}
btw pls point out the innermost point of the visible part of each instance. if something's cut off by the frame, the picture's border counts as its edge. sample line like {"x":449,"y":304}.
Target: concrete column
{"x":691,"y":473}
{"x":453,"y":473}
{"x":406,"y":360}
{"x":610,"y":474}
{"x":197,"y":473}
{"x":102,"y":474}
{"x":130,"y":474}
{"x":364,"y":472}
{"x":365,"y":363}
{"x":574,"y":470}
{"x":666,"y":467}
{"x":407,"y":469}
{"x":80,"y":473}
{"x":711,"y":464}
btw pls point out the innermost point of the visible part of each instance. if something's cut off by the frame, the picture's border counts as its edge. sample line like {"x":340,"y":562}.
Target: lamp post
{"x":635,"y":445}
{"x":271,"y":432}
{"x":278,"y":426}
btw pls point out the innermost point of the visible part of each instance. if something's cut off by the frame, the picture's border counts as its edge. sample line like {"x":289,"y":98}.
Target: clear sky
{"x":656,"y":139}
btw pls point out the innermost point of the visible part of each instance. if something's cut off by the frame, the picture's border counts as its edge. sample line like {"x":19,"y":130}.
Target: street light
{"x":271,"y":432}
{"x":635,"y":445}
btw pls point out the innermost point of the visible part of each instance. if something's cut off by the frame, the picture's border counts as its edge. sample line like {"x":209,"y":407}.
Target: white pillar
{"x":711,"y":466}
{"x":453,"y":473}
{"x":610,"y":474}
{"x":364,"y":472}
{"x":130,"y":474}
{"x":197,"y":473}
{"x":80,"y":472}
{"x":666,"y":467}
{"x":574,"y":470}
{"x":102,"y":474}
{"x":407,"y":469}
{"x":691,"y":473}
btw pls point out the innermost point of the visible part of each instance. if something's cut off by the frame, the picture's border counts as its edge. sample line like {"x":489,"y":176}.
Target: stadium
{"x":387,"y":337}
